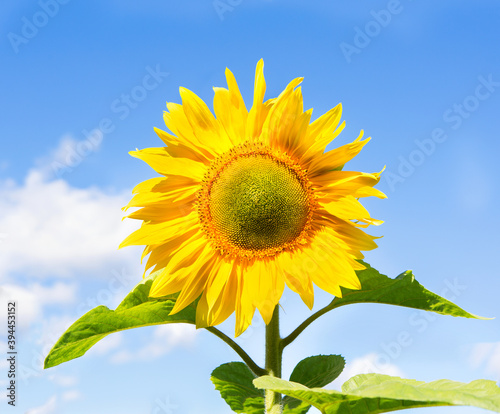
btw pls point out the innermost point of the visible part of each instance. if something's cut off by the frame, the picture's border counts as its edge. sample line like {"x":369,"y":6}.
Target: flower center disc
{"x":258,"y":203}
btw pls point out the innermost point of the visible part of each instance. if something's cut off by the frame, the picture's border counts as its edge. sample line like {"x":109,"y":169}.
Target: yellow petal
{"x":322,"y":131}
{"x":164,"y":184}
{"x":225,"y":303}
{"x":337,"y":178}
{"x":244,"y":304}
{"x":160,"y":232}
{"x":161,"y":161}
{"x":161,"y":254}
{"x":202,"y":312}
{"x":183,"y":149}
{"x":197,"y":112}
{"x":347,"y":208}
{"x":325,"y":125}
{"x":255,"y":118}
{"x":187,"y":256}
{"x":168,"y":211}
{"x":194,"y":285}
{"x":353,"y":237}
{"x":286,"y":125}
{"x":231,"y":120}
{"x":234,"y":93}
{"x":217,"y":281}
{"x":206,"y":128}
{"x":265,"y":288}
{"x":176,"y":197}
{"x":298,"y":281}
{"x":334,"y":262}
{"x":230,"y":110}
{"x":336,"y":158}
{"x":180,"y":267}
{"x":368,"y":192}
{"x":176,"y":120}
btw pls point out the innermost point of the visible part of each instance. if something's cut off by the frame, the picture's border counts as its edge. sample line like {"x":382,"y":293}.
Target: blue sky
{"x":422,"y":79}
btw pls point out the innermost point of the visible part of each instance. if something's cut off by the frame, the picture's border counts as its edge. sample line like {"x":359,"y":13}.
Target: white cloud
{"x":370,"y":363}
{"x":69,"y":154}
{"x":64,"y":380}
{"x":72,"y":395}
{"x":165,"y":339}
{"x":51,"y":229}
{"x":31,"y":300}
{"x":480,"y":353}
{"x":48,"y":408}
{"x":122,"y":357}
{"x":487,"y":356}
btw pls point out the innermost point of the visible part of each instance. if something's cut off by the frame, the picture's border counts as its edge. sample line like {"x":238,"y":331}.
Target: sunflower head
{"x":248,"y":202}
{"x":255,"y":202}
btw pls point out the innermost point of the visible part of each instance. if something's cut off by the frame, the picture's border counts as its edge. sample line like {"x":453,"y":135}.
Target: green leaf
{"x":136,"y":310}
{"x":318,"y":371}
{"x":376,"y":393}
{"x":315,"y":371}
{"x":404,"y":290}
{"x":234,"y":382}
{"x":294,"y":406}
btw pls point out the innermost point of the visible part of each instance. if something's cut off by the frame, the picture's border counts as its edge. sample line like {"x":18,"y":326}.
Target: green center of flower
{"x":258,"y":203}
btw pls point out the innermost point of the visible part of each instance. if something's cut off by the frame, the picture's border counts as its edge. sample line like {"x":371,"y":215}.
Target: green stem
{"x":274,"y":353}
{"x":239,"y":350}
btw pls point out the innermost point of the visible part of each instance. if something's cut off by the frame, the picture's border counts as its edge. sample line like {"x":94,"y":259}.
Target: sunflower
{"x":249,"y":202}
